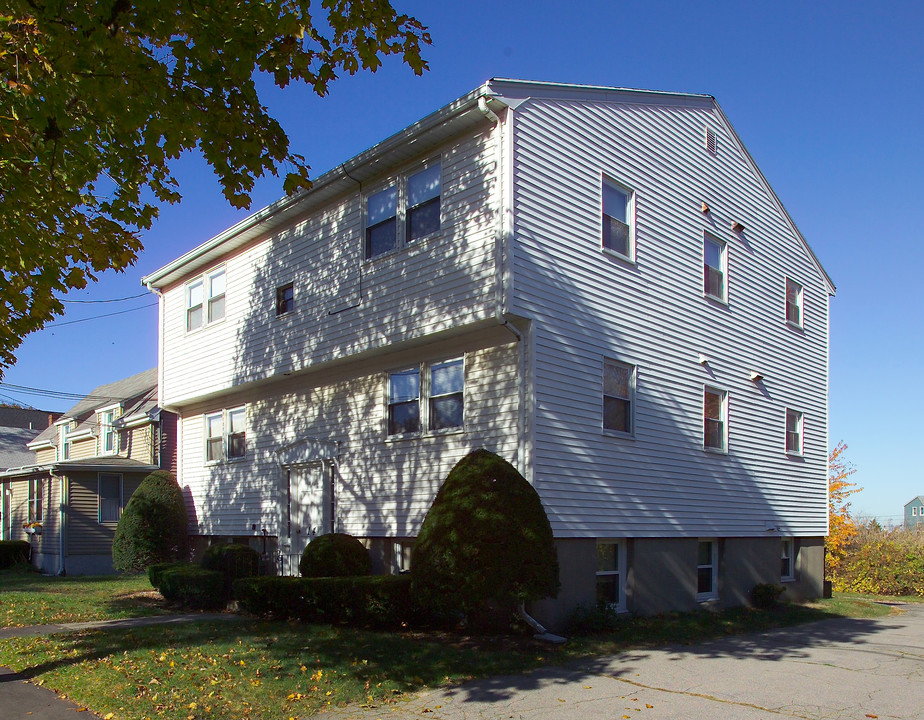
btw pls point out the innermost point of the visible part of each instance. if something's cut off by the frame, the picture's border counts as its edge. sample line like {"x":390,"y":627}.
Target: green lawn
{"x":257,"y":669}
{"x":27,"y":598}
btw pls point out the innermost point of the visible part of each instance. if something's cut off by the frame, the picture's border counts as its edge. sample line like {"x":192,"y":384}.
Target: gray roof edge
{"x":546,"y":85}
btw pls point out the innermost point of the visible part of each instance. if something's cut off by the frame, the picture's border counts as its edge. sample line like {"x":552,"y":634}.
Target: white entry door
{"x":309,"y":505}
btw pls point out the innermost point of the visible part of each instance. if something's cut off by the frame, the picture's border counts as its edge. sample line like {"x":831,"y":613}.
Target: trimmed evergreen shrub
{"x":233,"y":561}
{"x":192,"y":586}
{"x":485,"y":545}
{"x":152,"y":528}
{"x":14,"y":552}
{"x":155,"y":572}
{"x":371,"y":600}
{"x":765,"y":595}
{"x":334,"y":555}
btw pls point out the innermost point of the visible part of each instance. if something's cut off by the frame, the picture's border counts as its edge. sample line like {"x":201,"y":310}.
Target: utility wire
{"x":112,"y":300}
{"x":53,"y":393}
{"x":96,"y":317}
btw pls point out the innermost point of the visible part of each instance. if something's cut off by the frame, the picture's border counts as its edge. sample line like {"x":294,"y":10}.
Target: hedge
{"x":14,"y":552}
{"x":372,"y":600}
{"x":191,"y":586}
{"x":335,"y":555}
{"x":233,"y":561}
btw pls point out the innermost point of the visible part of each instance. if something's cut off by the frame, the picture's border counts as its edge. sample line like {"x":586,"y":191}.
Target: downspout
{"x":499,"y":245}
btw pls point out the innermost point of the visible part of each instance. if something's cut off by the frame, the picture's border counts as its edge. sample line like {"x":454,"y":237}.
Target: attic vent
{"x":710,"y":141}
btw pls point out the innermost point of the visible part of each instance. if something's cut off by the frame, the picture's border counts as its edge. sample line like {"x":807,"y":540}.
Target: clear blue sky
{"x":827,"y":96}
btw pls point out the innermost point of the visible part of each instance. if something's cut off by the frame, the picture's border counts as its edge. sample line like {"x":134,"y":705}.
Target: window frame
{"x":619,"y":573}
{"x":787,"y":553}
{"x":99,"y":497}
{"x":723,"y":261}
{"x":285,"y":299}
{"x":631,"y":200}
{"x":402,"y":210}
{"x":36,"y":510}
{"x":107,"y":428}
{"x":633,"y":379}
{"x":225,"y":436}
{"x":207,"y":300}
{"x":424,"y":399}
{"x":723,"y":419}
{"x":799,"y":304}
{"x":713,"y":565}
{"x":64,"y":442}
{"x":230,"y":436}
{"x":799,"y":417}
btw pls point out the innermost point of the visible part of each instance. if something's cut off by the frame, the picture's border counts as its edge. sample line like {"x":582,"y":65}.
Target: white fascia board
{"x":43,"y":445}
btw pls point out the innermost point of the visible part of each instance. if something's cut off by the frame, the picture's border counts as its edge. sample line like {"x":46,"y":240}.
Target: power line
{"x":60,"y":394}
{"x":97,"y":317}
{"x":112,"y":300}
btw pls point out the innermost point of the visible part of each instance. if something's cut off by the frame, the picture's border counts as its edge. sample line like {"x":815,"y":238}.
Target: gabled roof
{"x":137,"y":394}
{"x":424,"y":136}
{"x":918,"y":499}
{"x":13,"y":447}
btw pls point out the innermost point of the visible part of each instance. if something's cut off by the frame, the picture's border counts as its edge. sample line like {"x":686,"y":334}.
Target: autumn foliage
{"x":842,"y":527}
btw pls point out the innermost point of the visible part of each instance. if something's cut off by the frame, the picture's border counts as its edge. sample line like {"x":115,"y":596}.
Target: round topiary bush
{"x":152,"y":528}
{"x":485,"y":545}
{"x":334,"y":555}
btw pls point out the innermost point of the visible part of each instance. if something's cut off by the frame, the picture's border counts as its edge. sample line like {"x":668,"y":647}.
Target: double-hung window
{"x":225,"y":435}
{"x":407,"y":210}
{"x":793,"y":303}
{"x":611,"y":575}
{"x":64,"y":442}
{"x":618,"y":396}
{"x":706,"y":570}
{"x":715,"y":265}
{"x":108,"y":437}
{"x":787,"y":567}
{"x":447,"y":390}
{"x":430,"y":395}
{"x":715,"y":419}
{"x":36,"y":504}
{"x":794,"y":422}
{"x":618,"y":231}
{"x":205,"y":299}
{"x":285,"y":299}
{"x":110,"y":497}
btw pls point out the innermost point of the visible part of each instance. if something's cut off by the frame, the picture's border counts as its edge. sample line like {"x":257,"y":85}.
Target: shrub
{"x":233,"y":561}
{"x":485,"y":545}
{"x":883,"y":562}
{"x":192,"y":586}
{"x":335,"y":555}
{"x":152,"y":528}
{"x":14,"y":552}
{"x":765,"y":595}
{"x":155,"y":571}
{"x":378,"y":601}
{"x":599,"y":618}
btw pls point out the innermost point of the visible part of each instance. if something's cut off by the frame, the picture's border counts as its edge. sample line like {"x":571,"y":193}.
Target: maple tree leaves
{"x":99,"y":96}
{"x":841,"y":526}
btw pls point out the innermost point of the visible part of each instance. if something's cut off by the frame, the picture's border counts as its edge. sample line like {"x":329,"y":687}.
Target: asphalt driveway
{"x":834,"y":669}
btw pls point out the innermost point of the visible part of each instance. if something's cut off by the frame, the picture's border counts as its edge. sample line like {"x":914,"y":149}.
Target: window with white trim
{"x":787,"y":559}
{"x":794,"y":423}
{"x":430,"y":395}
{"x":110,"y":497}
{"x":226,"y":435}
{"x":285,"y":299}
{"x":618,"y":232}
{"x":36,"y":497}
{"x":611,"y":581}
{"x":618,"y":396}
{"x":715,"y":419}
{"x":793,"y":303}
{"x":914,"y":511}
{"x":406,"y":211}
{"x":108,"y":436}
{"x":64,"y":441}
{"x":707,"y":570}
{"x":715,"y":266}
{"x":205,"y":299}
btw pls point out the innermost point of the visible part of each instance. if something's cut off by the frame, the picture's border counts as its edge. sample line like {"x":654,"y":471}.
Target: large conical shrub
{"x":152,"y":528}
{"x":485,"y":545}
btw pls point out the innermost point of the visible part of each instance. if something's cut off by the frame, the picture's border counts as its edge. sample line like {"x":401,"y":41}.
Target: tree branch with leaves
{"x":842,"y":528}
{"x":99,"y":97}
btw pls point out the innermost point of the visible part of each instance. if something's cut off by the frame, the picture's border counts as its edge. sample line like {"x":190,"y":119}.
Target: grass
{"x":262,"y":669}
{"x":27,"y":598}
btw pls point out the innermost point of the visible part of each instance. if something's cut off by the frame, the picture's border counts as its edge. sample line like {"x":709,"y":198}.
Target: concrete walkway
{"x":834,"y":669}
{"x":21,"y":700}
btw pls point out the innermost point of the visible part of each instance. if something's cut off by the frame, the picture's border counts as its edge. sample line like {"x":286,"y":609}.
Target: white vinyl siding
{"x":344,"y":306}
{"x":382,"y":489}
{"x":662,"y":484}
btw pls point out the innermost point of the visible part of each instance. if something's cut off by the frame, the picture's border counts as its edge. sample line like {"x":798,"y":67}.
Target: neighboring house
{"x":598,"y":284}
{"x":28,"y":418}
{"x":914,"y":512}
{"x":18,"y":427}
{"x":82,"y":471}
